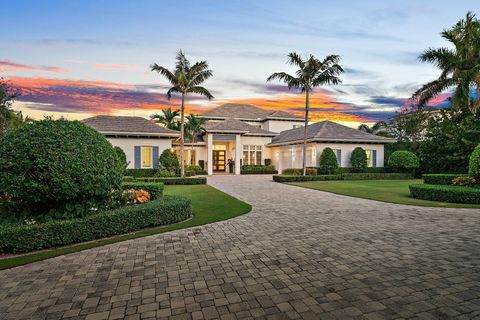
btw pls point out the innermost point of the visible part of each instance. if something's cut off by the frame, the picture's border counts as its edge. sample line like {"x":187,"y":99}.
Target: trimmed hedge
{"x":258,"y":169}
{"x":297,"y":178}
{"x":441,"y":178}
{"x":175,"y":180}
{"x":328,"y":162}
{"x":25,"y":238}
{"x":474,"y":163}
{"x":299,"y":172}
{"x":141,"y":173}
{"x":376,"y":176}
{"x":403,"y":161}
{"x":154,"y":188}
{"x":445,"y":193}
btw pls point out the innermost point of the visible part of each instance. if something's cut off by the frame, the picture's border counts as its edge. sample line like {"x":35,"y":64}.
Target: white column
{"x":238,"y":153}
{"x":209,"y":154}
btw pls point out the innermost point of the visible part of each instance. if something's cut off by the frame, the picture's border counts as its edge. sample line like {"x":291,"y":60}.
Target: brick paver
{"x":300,"y":253}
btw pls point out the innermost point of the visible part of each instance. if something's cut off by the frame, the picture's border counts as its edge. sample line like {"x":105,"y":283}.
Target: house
{"x":240,"y":132}
{"x":142,"y":140}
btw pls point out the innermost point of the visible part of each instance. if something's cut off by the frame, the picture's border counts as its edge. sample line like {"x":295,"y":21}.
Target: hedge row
{"x":154,"y":188}
{"x":349,"y":170}
{"x":259,"y":172}
{"x":441,"y":178}
{"x":140,"y":173}
{"x":297,"y":178}
{"x":445,"y":193}
{"x":344,"y":176}
{"x":24,"y":238}
{"x":175,"y":180}
{"x":299,"y":171}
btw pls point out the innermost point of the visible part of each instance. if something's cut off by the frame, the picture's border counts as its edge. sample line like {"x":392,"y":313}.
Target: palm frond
{"x":291,"y":81}
{"x":164,"y":72}
{"x":201,"y":91}
{"x":171,"y":91}
{"x":431,"y":89}
{"x":295,"y":59}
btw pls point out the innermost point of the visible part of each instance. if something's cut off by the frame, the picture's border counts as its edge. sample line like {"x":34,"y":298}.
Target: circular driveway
{"x":299,"y":253}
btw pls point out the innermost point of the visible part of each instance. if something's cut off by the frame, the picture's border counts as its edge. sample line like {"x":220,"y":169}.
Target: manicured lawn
{"x":209,"y":205}
{"x":394,"y":191}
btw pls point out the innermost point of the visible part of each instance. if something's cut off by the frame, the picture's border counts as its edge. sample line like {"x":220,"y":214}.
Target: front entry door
{"x":218,"y":160}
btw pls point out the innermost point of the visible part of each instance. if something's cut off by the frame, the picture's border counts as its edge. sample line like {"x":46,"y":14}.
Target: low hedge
{"x":297,"y":178}
{"x":25,"y":238}
{"x":349,"y":170}
{"x":154,"y":188}
{"x":259,"y":172}
{"x":376,"y":176}
{"x":445,"y":193}
{"x":441,"y":178}
{"x":258,"y":169}
{"x":299,"y":171}
{"x":140,"y":173}
{"x":175,"y":180}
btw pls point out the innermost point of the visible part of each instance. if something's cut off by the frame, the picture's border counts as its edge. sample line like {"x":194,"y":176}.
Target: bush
{"x":474,"y":163}
{"x":298,"y":178}
{"x":299,"y":172}
{"x":176,"y":180}
{"x":164,"y":172}
{"x":464,"y":181}
{"x":168,"y":160}
{"x":403,"y":161}
{"x":440,"y":178}
{"x":367,"y":170}
{"x":154,"y":188}
{"x":376,"y":176}
{"x":57,"y":168}
{"x":201,"y":163}
{"x":268,"y":161}
{"x":328,"y":162}
{"x":258,"y":169}
{"x":141,"y":173}
{"x":359,"y":160}
{"x":445,"y":193}
{"x":24,"y":238}
{"x":121,"y":156}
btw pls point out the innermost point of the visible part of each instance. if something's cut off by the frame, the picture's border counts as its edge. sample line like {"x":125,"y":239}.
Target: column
{"x":238,"y":153}
{"x":209,"y":154}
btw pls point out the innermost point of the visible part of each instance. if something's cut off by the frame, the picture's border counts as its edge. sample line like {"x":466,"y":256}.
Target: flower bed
{"x":154,"y":188}
{"x":445,"y":193}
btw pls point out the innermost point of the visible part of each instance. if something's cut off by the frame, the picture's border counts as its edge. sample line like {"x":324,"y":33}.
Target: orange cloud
{"x":9,"y":66}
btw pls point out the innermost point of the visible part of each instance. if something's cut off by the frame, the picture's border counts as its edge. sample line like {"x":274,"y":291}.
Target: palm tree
{"x":194,"y":127}
{"x":379,"y":128}
{"x":311,"y":73}
{"x":185,"y":79}
{"x":460,"y":66}
{"x":167,"y":118}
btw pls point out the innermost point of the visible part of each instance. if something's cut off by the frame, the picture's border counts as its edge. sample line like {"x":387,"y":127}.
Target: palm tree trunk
{"x":182,"y":139}
{"x":304,"y":166}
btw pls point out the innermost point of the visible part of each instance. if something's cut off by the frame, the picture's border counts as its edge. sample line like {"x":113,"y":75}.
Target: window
{"x":147,"y":157}
{"x":252,"y":155}
{"x":189,"y":157}
{"x":338,"y":154}
{"x":369,"y":158}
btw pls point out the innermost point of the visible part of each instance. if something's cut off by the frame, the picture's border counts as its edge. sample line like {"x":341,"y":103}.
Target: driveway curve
{"x":299,"y":253}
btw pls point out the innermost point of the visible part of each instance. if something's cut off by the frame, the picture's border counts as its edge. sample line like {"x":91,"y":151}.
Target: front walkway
{"x":300,"y":253}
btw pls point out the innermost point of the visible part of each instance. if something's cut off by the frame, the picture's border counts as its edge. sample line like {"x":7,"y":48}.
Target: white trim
{"x":119,"y":133}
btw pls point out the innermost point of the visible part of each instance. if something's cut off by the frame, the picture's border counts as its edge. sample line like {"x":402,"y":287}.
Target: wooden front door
{"x":218,"y":160}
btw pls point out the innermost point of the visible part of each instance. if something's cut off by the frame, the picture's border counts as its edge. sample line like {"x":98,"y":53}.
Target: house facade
{"x":240,"y":134}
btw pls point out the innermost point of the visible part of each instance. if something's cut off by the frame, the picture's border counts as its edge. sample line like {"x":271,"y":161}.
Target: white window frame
{"x":141,"y":157}
{"x":254,"y":149}
{"x":369,"y":158}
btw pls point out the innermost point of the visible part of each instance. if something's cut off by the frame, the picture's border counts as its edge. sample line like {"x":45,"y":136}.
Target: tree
{"x":403,"y":161}
{"x":7,"y":97}
{"x":359,"y":160}
{"x":328,"y":161}
{"x":168,"y":160}
{"x":460,"y":66}
{"x":311,"y":73}
{"x":168,"y":118}
{"x":379,"y":128}
{"x":474,"y":163}
{"x":185,"y":79}
{"x":194,"y":127}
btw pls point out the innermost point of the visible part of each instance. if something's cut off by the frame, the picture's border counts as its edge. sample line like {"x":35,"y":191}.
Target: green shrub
{"x":299,"y":172}
{"x":201,"y":163}
{"x":376,"y":176}
{"x":258,"y":169}
{"x":141,"y":173}
{"x":154,"y":188}
{"x":299,"y":178}
{"x":359,"y":160}
{"x":403,"y":161}
{"x":121,"y":156}
{"x":445,"y":193}
{"x":175,"y":180}
{"x":164,"y":172}
{"x":24,"y":238}
{"x":474,"y":164}
{"x":440,"y":178}
{"x":268,"y":162}
{"x":367,"y":170}
{"x":168,"y":160}
{"x":57,"y":168}
{"x":328,"y":162}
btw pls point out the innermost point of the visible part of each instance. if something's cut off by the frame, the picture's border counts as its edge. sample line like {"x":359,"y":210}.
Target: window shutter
{"x":138,"y":158}
{"x":339,"y":157}
{"x":374,"y":158}
{"x":155,"y":156}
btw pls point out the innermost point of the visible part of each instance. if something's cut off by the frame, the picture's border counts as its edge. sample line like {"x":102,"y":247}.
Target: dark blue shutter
{"x":137,"y":158}
{"x":339,"y":157}
{"x":374,"y":158}
{"x":155,"y":157}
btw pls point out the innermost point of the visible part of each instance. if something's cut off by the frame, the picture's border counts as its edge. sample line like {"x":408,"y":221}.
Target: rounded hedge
{"x":328,"y":162}
{"x":359,"y":160}
{"x":474,"y":164}
{"x":168,"y":160}
{"x":58,"y":168}
{"x":121,"y":156}
{"x":403,"y":161}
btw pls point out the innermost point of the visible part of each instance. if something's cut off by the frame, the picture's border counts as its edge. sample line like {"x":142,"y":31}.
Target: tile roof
{"x":327,"y":131}
{"x":236,"y":126}
{"x":247,"y":112}
{"x":127,"y":125}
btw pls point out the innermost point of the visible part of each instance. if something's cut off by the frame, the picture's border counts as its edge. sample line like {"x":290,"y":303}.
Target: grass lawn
{"x":209,"y":205}
{"x":394,"y":191}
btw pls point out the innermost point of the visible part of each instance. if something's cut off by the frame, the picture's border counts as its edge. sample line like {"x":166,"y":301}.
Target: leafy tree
{"x":460,"y":66}
{"x":7,"y":97}
{"x":168,"y":160}
{"x":185,"y":79}
{"x":311,"y":73}
{"x":380,"y":128}
{"x":359,"y":160}
{"x":403,"y":161}
{"x":168,"y":118}
{"x":328,"y":161}
{"x":194,"y":127}
{"x":122,"y":157}
{"x":474,"y":163}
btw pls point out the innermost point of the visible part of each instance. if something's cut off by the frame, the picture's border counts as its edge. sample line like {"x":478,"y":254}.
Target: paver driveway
{"x":300,"y":253}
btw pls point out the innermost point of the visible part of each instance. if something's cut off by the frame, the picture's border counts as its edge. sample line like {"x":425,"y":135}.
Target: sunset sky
{"x":80,"y":58}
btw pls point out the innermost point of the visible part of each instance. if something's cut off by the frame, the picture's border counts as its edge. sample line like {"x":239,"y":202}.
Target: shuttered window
{"x":147,"y":157}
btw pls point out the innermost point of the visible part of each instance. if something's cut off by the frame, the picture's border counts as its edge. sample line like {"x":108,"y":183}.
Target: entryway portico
{"x":220,"y":149}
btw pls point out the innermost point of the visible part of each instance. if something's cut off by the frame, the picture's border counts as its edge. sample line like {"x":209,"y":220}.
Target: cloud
{"x":382,"y":100}
{"x":82,"y":41}
{"x":9,"y":66}
{"x":105,"y":66}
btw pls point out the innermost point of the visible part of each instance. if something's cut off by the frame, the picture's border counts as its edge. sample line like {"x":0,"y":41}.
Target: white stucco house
{"x":240,"y":132}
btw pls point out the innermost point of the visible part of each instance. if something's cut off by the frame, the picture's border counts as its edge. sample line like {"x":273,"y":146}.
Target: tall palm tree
{"x":168,"y":118}
{"x":185,"y":79}
{"x":312,"y":73}
{"x":460,"y":66}
{"x":194,"y":127}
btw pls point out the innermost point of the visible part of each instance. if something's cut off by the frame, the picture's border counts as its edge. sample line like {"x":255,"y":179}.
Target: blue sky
{"x":78,"y":58}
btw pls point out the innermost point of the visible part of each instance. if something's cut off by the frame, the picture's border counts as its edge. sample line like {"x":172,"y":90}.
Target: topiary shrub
{"x":168,"y":160}
{"x":403,"y":161}
{"x":328,"y":162}
{"x":57,"y":169}
{"x":359,"y":160}
{"x":474,"y":164}
{"x":122,"y":157}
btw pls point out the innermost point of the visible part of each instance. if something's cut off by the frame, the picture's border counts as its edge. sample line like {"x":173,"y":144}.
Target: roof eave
{"x":150,"y":134}
{"x":333,"y":140}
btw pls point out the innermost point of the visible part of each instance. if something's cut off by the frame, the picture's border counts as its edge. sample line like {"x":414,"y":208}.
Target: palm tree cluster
{"x":380,"y":128}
